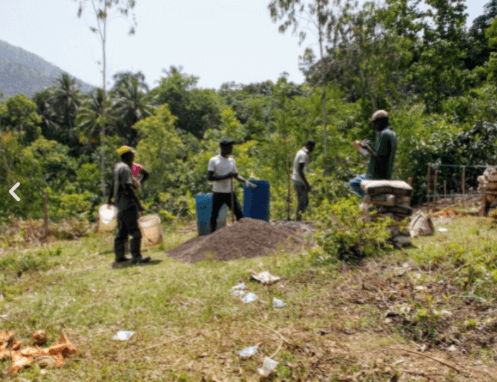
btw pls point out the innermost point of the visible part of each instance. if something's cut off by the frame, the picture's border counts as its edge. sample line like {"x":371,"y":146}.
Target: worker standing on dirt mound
{"x":302,"y":187}
{"x":221,"y":171}
{"x":128,"y":208}
{"x":380,"y":165}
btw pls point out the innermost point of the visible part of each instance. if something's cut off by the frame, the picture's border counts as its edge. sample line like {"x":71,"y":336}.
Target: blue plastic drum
{"x":203,"y":204}
{"x":256,"y":200}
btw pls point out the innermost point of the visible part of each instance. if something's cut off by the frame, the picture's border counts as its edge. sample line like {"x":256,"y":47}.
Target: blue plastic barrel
{"x":203,"y":204}
{"x":256,"y":200}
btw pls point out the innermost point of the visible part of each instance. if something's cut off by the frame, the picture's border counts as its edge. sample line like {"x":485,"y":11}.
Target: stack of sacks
{"x":390,"y":198}
{"x":488,"y":182}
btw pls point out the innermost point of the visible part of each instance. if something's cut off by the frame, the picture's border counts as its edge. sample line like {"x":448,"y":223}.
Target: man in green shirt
{"x":128,"y":208}
{"x":380,"y":165}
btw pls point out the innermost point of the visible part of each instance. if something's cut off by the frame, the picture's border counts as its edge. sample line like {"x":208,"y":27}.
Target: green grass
{"x":71,"y":286}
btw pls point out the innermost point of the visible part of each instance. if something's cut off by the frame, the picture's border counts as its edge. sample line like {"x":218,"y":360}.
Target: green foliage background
{"x":438,"y":85}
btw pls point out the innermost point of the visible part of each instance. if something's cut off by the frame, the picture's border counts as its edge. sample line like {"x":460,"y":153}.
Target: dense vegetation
{"x":435,"y":77}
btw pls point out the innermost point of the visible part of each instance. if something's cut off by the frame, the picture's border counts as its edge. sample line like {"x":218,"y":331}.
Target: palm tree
{"x":131,"y":105}
{"x":66,"y":97}
{"x":49,"y":117}
{"x":90,"y":117}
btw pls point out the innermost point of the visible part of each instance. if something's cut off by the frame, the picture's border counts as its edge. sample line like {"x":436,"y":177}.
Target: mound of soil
{"x":246,"y":238}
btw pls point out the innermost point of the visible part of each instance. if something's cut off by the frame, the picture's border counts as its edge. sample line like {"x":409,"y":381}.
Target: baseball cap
{"x":378,"y":114}
{"x":225,"y":142}
{"x":125,"y":149}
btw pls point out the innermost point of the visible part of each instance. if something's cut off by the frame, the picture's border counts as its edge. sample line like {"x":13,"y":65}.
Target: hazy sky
{"x":216,"y":40}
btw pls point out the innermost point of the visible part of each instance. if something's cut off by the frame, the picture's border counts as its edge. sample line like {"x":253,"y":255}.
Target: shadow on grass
{"x":130,"y":264}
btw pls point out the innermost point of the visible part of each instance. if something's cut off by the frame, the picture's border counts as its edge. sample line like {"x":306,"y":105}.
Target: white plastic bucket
{"x":107,"y":217}
{"x":150,"y":229}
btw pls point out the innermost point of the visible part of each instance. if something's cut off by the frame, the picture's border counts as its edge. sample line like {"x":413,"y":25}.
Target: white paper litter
{"x":249,"y":297}
{"x":248,"y":352}
{"x":265,"y":278}
{"x":122,"y":336}
{"x":278,"y":303}
{"x":238,"y":292}
{"x":267,"y":367}
{"x":442,"y":229}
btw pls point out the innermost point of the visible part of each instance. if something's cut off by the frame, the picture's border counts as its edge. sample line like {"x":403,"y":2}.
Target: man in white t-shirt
{"x":302,"y":187}
{"x":221,"y":171}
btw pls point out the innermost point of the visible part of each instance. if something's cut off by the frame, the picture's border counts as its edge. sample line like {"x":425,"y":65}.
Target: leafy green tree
{"x":326,"y":18}
{"x":18,"y":115}
{"x":476,"y":39}
{"x":159,"y":149}
{"x":440,"y":71}
{"x":197,"y":110}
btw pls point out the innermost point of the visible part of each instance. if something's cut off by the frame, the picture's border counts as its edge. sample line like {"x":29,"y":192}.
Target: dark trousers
{"x":219,"y":199}
{"x":302,"y":198}
{"x":128,"y":226}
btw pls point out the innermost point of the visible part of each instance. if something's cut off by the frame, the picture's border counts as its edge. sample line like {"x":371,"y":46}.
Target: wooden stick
{"x":428,"y":186}
{"x":288,"y":195}
{"x":274,"y":331}
{"x":45,"y":211}
{"x":164,"y":343}
{"x":463,"y":186}
{"x":434,"y":359}
{"x":232,"y":203}
{"x":435,"y":187}
{"x":445,"y":189}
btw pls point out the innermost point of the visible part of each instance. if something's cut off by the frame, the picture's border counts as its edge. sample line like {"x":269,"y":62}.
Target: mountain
{"x":25,"y":72}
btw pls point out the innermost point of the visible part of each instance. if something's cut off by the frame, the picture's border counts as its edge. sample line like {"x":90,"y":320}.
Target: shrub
{"x":345,"y":233}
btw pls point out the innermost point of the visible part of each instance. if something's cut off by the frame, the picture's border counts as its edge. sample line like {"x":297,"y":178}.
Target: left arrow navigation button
{"x":11,"y":191}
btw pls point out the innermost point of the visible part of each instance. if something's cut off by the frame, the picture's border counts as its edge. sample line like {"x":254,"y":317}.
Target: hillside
{"x":25,"y":72}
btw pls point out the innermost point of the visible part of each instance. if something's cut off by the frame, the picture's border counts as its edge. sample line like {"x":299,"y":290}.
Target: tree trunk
{"x":323,"y":95}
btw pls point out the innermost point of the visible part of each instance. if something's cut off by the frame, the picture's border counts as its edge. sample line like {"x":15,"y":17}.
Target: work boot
{"x":141,"y":260}
{"x":122,"y":259}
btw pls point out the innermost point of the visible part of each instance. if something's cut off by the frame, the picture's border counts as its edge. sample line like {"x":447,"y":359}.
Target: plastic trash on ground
{"x":278,"y":303}
{"x":123,"y":336}
{"x":249,"y":298}
{"x":248,"y":352}
{"x":267,"y":367}
{"x":265,"y":278}
{"x":442,"y":230}
{"x":239,"y":290}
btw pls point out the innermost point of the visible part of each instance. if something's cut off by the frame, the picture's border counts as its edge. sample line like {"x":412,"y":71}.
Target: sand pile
{"x":246,"y":238}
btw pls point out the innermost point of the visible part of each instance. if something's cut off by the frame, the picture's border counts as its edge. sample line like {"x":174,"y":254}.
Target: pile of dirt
{"x":246,"y":238}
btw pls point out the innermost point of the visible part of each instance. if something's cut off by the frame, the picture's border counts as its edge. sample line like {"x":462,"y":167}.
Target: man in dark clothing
{"x":128,"y":208}
{"x":221,"y":171}
{"x":380,"y":165}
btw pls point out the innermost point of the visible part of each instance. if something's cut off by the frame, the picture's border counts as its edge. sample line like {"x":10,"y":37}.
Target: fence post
{"x":445,"y":189}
